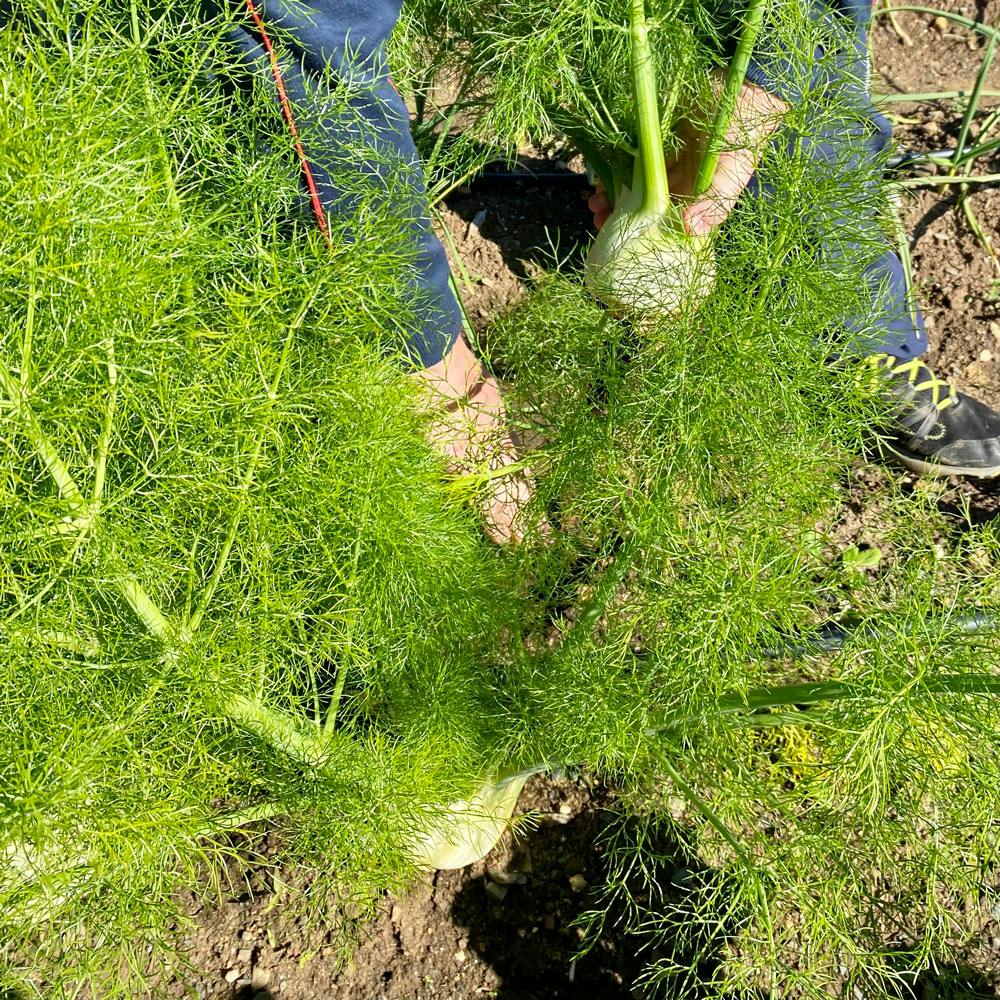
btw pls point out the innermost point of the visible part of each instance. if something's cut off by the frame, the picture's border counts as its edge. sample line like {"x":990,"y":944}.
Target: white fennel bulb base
{"x":469,"y":830}
{"x":647,"y":263}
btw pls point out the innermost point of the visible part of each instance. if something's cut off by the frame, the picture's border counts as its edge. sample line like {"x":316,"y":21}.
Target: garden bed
{"x":505,"y":927}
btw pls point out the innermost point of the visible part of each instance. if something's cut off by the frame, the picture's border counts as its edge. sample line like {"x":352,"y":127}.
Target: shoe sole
{"x":926,"y":468}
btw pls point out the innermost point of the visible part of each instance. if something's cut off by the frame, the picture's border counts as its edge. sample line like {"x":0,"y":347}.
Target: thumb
{"x":732,"y":174}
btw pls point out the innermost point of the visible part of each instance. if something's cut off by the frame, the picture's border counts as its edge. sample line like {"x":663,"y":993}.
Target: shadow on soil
{"x":532,"y":222}
{"x":521,"y":919}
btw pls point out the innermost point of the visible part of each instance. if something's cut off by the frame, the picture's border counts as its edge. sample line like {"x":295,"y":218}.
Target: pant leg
{"x":857,"y":143}
{"x":355,"y":131}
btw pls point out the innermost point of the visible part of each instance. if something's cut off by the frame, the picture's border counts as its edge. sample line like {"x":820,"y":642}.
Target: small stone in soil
{"x":244,"y":955}
{"x":577,"y":883}
{"x":496,"y":891}
{"x":232,"y":975}
{"x":460,"y":957}
{"x":507,"y":878}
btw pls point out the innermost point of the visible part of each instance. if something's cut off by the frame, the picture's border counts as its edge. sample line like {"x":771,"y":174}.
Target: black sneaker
{"x":937,"y":429}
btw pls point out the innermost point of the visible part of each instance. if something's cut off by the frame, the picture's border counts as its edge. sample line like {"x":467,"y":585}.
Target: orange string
{"x":286,"y":110}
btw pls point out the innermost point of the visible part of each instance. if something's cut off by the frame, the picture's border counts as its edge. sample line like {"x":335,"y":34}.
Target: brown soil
{"x":504,"y":928}
{"x":958,"y":279}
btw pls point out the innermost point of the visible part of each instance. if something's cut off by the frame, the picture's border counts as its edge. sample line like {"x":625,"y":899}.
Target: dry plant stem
{"x":890,"y":12}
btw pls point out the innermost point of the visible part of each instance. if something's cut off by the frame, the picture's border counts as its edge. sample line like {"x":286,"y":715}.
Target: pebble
{"x":232,"y":975}
{"x":577,"y":883}
{"x":496,"y":891}
{"x":985,"y":355}
{"x":941,"y":24}
{"x":477,"y":220}
{"x":995,"y":328}
{"x":507,"y":878}
{"x":260,"y":977}
{"x":244,"y":955}
{"x":565,"y":809}
{"x":460,"y":956}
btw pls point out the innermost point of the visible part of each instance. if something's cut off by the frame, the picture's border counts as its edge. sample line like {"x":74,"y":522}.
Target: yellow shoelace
{"x":922,"y":379}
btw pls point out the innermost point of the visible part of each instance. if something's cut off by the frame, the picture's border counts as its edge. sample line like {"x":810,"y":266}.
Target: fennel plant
{"x":233,"y":586}
{"x":234,"y":590}
{"x":837,"y":815}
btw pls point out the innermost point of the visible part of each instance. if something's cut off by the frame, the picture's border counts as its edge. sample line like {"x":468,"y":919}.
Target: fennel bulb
{"x":470,"y":829}
{"x":646,"y":262}
{"x":643,"y":260}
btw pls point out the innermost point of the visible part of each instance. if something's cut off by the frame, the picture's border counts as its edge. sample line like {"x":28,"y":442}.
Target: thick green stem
{"x":347,"y":659}
{"x":712,"y":817}
{"x":767,"y":699}
{"x":50,"y":458}
{"x":311,"y":749}
{"x":973,"y":104}
{"x":131,"y":590}
{"x":735,"y":75}
{"x":647,"y":105}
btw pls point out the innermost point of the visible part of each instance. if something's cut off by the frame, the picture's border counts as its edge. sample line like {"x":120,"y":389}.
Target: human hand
{"x":758,"y":113}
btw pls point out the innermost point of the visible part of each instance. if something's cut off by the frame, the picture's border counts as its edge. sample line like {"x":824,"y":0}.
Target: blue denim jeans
{"x":356,"y":137}
{"x":893,"y":323}
{"x":341,"y":31}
